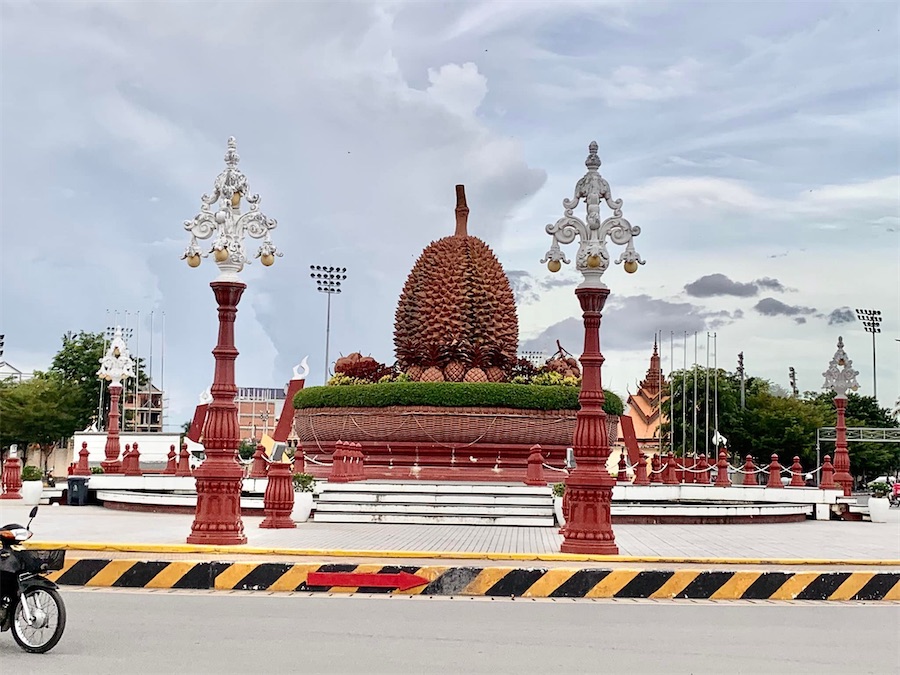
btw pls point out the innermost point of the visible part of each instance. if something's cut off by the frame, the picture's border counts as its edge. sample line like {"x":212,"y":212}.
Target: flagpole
{"x":706,"y":402}
{"x":684,"y":399}
{"x":716,"y":387}
{"x":671,"y":392}
{"x":694,"y":401}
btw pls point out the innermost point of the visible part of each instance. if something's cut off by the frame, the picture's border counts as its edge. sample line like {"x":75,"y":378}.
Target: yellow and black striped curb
{"x":490,"y":581}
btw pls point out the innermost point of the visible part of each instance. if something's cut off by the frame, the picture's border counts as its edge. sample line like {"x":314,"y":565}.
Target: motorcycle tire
{"x":19,"y":623}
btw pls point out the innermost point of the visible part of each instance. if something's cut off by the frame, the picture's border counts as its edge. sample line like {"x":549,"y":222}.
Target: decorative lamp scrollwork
{"x":116,"y":364}
{"x":592,"y":258}
{"x":220,"y":219}
{"x":840,"y":376}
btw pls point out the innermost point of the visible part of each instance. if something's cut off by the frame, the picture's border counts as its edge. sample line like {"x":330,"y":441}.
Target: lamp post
{"x":871,"y":321}
{"x":588,"y":527}
{"x":840,"y":377}
{"x":115,"y":366}
{"x":218,"y":515}
{"x":328,"y":281}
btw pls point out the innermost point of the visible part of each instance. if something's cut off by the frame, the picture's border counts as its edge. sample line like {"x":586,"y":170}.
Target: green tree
{"x":782,"y":425}
{"x":77,"y":362}
{"x":41,"y":411}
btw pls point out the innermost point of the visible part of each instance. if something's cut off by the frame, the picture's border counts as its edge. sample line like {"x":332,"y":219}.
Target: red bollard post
{"x":722,"y":478}
{"x":797,"y":474}
{"x":361,"y":462}
{"x":184,"y":466}
{"x":640,"y":470}
{"x":655,"y":474}
{"x":125,"y":462}
{"x":622,"y":475}
{"x":171,"y":463}
{"x":278,"y":500}
{"x":827,"y":482}
{"x":338,"y":472}
{"x":703,"y":471}
{"x":749,"y":469}
{"x":775,"y":473}
{"x":299,"y":459}
{"x":670,"y":475}
{"x":534,"y":474}
{"x":12,"y":476}
{"x":82,"y":468}
{"x":134,"y":462}
{"x":260,"y":464}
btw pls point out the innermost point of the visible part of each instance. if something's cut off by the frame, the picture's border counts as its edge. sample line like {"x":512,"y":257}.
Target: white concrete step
{"x":424,"y":519}
{"x":417,"y":487}
{"x":410,"y":498}
{"x":444,"y":503}
{"x":435,"y":509}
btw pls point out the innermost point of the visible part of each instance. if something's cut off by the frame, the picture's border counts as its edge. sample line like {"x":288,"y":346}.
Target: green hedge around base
{"x":448,"y":395}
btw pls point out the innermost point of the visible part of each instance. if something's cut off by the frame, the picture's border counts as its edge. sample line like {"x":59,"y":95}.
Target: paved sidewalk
{"x":807,"y":541}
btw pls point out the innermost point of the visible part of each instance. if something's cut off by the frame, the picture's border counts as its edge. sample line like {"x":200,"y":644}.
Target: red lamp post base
{"x":217,"y":519}
{"x":588,"y":528}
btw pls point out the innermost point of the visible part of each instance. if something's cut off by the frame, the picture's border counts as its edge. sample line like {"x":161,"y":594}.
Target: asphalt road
{"x":176,"y":632}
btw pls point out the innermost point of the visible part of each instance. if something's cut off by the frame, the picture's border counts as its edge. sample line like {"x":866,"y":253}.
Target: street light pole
{"x":217,"y":519}
{"x":871,"y":321}
{"x":588,"y":527}
{"x":328,"y":281}
{"x":839,"y":378}
{"x":115,"y":366}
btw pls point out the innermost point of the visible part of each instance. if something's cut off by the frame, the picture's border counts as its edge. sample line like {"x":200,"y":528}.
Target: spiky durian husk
{"x":457,"y":299}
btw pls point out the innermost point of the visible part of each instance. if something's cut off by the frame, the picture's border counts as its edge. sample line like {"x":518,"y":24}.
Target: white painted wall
{"x":153,"y":447}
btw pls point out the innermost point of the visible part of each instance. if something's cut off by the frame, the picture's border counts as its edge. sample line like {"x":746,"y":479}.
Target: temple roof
{"x":644,"y":405}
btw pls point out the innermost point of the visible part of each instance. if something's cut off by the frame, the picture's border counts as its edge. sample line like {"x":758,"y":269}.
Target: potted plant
{"x":32,"y":485}
{"x":559,"y":489}
{"x":878,"y":502}
{"x":304,"y":484}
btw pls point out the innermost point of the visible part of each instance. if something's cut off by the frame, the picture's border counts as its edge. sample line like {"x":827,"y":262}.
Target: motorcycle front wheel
{"x":49,"y":614}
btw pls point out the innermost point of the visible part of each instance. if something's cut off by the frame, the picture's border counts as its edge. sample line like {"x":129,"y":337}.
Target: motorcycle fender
{"x":36,"y":582}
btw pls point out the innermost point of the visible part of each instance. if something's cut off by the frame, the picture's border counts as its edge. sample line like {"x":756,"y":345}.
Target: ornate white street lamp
{"x":218,"y":516}
{"x":588,"y":527}
{"x":115,"y":366}
{"x":841,"y":378}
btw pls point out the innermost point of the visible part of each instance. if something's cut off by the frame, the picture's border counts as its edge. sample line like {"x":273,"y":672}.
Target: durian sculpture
{"x":456,"y":320}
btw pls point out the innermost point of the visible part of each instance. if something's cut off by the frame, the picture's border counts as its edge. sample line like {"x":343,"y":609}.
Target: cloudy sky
{"x":755,"y":144}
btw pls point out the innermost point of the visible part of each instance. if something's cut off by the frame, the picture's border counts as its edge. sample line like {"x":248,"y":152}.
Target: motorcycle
{"x":30,"y":605}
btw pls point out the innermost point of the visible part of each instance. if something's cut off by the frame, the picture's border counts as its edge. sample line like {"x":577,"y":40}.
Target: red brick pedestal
{"x":535,"y":472}
{"x":217,"y":519}
{"x":82,"y":468}
{"x":588,"y":527}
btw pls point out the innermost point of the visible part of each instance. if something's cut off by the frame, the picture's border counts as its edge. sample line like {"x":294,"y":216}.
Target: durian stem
{"x":462,"y":212}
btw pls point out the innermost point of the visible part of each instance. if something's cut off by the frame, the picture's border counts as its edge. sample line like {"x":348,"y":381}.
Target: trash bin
{"x":78,"y":492}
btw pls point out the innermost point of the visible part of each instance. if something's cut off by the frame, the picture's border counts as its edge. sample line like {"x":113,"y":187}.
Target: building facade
{"x":142,"y":411}
{"x":645,"y":406}
{"x":259,"y":409}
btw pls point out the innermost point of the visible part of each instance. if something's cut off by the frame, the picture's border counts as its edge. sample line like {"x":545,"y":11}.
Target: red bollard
{"x":125,"y":462}
{"x":827,"y":482}
{"x":534,"y":474}
{"x":670,"y":476}
{"x":702,"y":475}
{"x":622,"y":475}
{"x":134,"y":462}
{"x":359,"y":470}
{"x":655,"y":474}
{"x":82,"y":468}
{"x":775,"y":473}
{"x":184,"y":466}
{"x":797,"y":474}
{"x":299,"y":459}
{"x":260,"y":464}
{"x":640,"y":470}
{"x":171,"y":463}
{"x":722,"y":479}
{"x":12,"y":477}
{"x":278,"y":500}
{"x":749,"y":471}
{"x":338,"y":464}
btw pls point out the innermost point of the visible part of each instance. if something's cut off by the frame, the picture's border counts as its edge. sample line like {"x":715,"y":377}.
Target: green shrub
{"x":30,"y":472}
{"x":559,"y":489}
{"x":97,"y":469}
{"x":449,"y":395}
{"x":303,"y":482}
{"x":880,"y":489}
